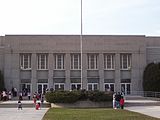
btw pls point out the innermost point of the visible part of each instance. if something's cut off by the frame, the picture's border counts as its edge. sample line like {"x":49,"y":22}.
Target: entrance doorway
{"x":41,"y":88}
{"x":25,"y":88}
{"x":126,"y":88}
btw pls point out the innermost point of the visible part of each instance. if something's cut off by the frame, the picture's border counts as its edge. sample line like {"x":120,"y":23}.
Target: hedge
{"x":74,"y":96}
{"x":99,"y":96}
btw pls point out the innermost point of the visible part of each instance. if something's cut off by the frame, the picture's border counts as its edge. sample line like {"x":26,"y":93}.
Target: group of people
{"x":8,"y":95}
{"x":38,"y":99}
{"x":5,"y":95}
{"x":118,"y":100}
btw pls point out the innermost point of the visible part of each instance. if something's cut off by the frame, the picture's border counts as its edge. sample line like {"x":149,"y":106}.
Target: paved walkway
{"x":152,"y":110}
{"x":142,"y":101}
{"x":25,"y":114}
{"x":32,"y":114}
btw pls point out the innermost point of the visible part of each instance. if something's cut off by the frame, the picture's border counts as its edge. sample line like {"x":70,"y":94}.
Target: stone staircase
{"x":141,"y":101}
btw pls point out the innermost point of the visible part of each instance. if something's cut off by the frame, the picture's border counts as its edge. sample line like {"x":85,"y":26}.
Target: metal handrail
{"x":145,"y":94}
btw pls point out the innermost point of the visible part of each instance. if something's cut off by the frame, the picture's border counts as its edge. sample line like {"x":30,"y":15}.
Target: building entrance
{"x":125,"y":88}
{"x":42,"y":87}
{"x":25,"y":88}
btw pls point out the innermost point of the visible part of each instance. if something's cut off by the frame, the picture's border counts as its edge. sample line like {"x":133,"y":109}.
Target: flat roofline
{"x":41,"y":34}
{"x":74,"y":35}
{"x":153,"y":36}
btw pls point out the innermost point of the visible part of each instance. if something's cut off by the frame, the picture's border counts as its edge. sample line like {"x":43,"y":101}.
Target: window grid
{"x":92,"y":61}
{"x":125,"y":60}
{"x":59,"y":61}
{"x":109,"y":61}
{"x":42,"y":61}
{"x":25,"y":61}
{"x":75,"y":61}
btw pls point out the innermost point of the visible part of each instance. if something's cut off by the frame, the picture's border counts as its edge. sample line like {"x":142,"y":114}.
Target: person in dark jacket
{"x":118,"y":98}
{"x":19,"y":105}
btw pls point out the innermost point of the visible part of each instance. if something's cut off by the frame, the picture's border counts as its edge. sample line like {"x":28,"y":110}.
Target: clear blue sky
{"x":108,"y":17}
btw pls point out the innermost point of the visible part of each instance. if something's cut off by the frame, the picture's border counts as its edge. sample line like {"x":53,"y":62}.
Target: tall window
{"x":92,"y":61}
{"x":109,"y":61}
{"x":42,"y":61}
{"x":59,"y":61}
{"x":125,"y":60}
{"x":25,"y":61}
{"x":75,"y":61}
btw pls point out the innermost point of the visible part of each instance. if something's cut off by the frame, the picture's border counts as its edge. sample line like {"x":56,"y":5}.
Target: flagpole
{"x":81,"y":47}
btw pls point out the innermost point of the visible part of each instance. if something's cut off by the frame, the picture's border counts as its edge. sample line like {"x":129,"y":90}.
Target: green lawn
{"x":93,"y":114}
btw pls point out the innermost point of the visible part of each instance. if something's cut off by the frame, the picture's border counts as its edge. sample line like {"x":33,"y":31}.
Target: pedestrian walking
{"x":38,"y":105}
{"x":4,"y":96}
{"x":29,"y":95}
{"x":10,"y":95}
{"x":114,"y":101}
{"x":42,"y":99}
{"x":118,"y":98}
{"x":19,"y":105}
{"x":20,"y":96}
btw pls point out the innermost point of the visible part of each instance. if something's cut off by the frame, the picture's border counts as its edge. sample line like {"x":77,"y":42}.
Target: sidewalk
{"x":147,"y":107}
{"x":153,"y":111}
{"x":25,"y":114}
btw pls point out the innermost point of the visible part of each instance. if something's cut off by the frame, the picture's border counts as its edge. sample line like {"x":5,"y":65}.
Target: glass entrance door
{"x":42,"y":88}
{"x":25,"y":88}
{"x":126,"y":88}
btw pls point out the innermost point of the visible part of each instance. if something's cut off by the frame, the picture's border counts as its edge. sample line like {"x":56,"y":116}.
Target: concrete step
{"x":141,"y":101}
{"x":135,"y":98}
{"x":25,"y":104}
{"x":128,"y":97}
{"x":129,"y":103}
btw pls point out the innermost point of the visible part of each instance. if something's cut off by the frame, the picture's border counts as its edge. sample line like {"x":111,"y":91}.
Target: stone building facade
{"x":107,"y":62}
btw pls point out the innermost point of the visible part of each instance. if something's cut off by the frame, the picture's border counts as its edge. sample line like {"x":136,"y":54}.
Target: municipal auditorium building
{"x":105,"y":62}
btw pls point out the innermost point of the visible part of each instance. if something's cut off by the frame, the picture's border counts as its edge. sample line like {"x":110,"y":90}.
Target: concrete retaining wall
{"x":82,"y":104}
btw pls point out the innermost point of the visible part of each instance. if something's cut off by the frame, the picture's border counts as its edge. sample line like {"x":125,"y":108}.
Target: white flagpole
{"x":81,"y":47}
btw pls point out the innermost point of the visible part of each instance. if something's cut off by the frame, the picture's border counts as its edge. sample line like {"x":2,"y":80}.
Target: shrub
{"x":62,"y":96}
{"x":99,"y":96}
{"x":83,"y":95}
{"x":73,"y":96}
